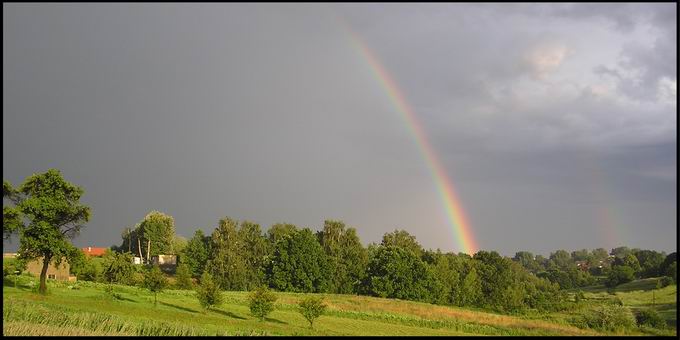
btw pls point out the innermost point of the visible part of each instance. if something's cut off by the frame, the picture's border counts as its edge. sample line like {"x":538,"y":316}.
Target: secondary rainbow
{"x":452,"y":205}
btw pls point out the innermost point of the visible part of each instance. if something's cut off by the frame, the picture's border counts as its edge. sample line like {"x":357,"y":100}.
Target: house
{"x":61,"y":272}
{"x":164,"y":260}
{"x":136,"y":260}
{"x":583,"y":265}
{"x":93,"y":251}
{"x":9,"y":255}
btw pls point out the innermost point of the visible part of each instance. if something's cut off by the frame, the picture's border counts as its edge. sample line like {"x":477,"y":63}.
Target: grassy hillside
{"x":90,"y":311}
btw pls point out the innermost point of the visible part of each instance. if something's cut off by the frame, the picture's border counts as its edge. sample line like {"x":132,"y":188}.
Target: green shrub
{"x":619,"y":275}
{"x":311,"y":308}
{"x":650,"y":318}
{"x":183,"y":277}
{"x":261,"y":302}
{"x":208,"y":292}
{"x":666,"y":281}
{"x":607,"y":318}
{"x":155,"y":281}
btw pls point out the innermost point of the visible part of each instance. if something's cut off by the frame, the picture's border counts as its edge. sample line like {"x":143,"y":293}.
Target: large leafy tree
{"x":11,"y":216}
{"x":195,"y":254}
{"x":394,"y":272}
{"x":157,"y":234}
{"x":650,"y":262}
{"x":347,"y":257}
{"x":47,"y":215}
{"x":279,"y":230}
{"x":255,"y":249}
{"x":227,"y":263}
{"x":402,"y":239}
{"x":299,"y":264}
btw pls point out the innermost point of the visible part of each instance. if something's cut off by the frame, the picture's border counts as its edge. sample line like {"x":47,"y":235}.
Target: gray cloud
{"x":269,"y":113}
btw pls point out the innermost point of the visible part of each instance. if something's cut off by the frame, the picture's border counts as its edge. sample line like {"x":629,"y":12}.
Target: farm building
{"x":93,"y":251}
{"x":62,"y":272}
{"x":166,"y":262}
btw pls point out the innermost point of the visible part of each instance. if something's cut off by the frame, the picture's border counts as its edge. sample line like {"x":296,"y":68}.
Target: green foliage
{"x":618,"y":275}
{"x":395,"y":272}
{"x":672,"y":271}
{"x":346,"y":256}
{"x":402,"y":239}
{"x":471,"y":289}
{"x":610,"y":318}
{"x":85,"y":268}
{"x":54,"y":213}
{"x":196,"y":253}
{"x":299,"y":264}
{"x":159,"y":229}
{"x":279,"y":231}
{"x":650,"y":318}
{"x":311,"y":308}
{"x":208,"y":292}
{"x":261,"y":302}
{"x":628,"y":260}
{"x":650,"y":262}
{"x":227,"y":262}
{"x":118,"y":268}
{"x":562,"y":260}
{"x":666,"y":281}
{"x":183,"y":277}
{"x":155,"y":281}
{"x":254,"y":248}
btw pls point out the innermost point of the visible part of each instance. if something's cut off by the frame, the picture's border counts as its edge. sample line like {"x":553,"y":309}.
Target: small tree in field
{"x":183,"y":277}
{"x":208,"y":292}
{"x":311,"y":308}
{"x":155,"y":281}
{"x":261,"y":302}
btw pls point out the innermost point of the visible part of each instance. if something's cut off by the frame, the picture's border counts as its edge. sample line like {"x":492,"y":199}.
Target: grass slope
{"x":90,"y":311}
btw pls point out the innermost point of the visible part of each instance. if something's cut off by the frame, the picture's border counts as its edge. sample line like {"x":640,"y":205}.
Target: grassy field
{"x":90,"y":311}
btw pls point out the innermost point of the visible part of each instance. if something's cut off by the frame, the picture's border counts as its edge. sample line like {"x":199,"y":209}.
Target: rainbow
{"x":454,"y":209}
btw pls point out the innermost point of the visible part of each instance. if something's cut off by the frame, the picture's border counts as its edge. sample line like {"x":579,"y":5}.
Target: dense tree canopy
{"x":51,"y":206}
{"x":299,"y":264}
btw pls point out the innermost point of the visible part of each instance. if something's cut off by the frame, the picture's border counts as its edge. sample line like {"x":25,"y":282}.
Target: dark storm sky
{"x":556,"y":123}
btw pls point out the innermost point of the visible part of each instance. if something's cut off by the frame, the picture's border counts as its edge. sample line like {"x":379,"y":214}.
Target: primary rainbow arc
{"x":452,"y":205}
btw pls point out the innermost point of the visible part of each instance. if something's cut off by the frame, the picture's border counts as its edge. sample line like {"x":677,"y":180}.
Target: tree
{"x":621,"y":252}
{"x":195,"y":255}
{"x":394,"y":272}
{"x":526,"y":259}
{"x":299,"y":264}
{"x":54,"y":213}
{"x":619,"y":275}
{"x":118,"y":268}
{"x":261,"y":302}
{"x":155,"y":281}
{"x":158,"y":230}
{"x":347,"y":257}
{"x":628,"y":260}
{"x":562,"y":259}
{"x":279,"y":230}
{"x":255,"y":249}
{"x":227,"y":263}
{"x":312,"y":308}
{"x":401,"y":238}
{"x":650,"y":262}
{"x":183,"y":276}
{"x":471,"y":289}
{"x":208,"y":292}
{"x":11,"y":215}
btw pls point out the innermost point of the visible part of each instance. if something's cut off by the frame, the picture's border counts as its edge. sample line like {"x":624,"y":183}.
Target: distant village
{"x":62,"y":272}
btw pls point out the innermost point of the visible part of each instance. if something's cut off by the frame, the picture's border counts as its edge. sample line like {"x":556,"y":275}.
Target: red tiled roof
{"x":92,"y":251}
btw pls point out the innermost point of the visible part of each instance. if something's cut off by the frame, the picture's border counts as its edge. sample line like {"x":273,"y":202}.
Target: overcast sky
{"x":555,"y":122}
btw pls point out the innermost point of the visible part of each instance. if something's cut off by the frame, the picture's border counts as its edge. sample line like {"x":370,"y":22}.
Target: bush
{"x":608,"y":318}
{"x":183,"y":277}
{"x":311,"y":308}
{"x":666,"y":281}
{"x":650,"y":318}
{"x":155,"y":281}
{"x":261,"y":302}
{"x":619,"y":275}
{"x":208,"y":292}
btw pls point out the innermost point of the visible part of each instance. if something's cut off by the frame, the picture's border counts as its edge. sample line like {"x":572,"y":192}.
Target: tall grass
{"x":65,"y":318}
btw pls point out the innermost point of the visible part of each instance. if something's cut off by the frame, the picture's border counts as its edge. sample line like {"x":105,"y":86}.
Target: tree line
{"x":238,"y":255}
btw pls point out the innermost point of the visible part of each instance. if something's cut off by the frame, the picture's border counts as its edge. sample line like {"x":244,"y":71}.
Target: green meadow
{"x":86,"y":308}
